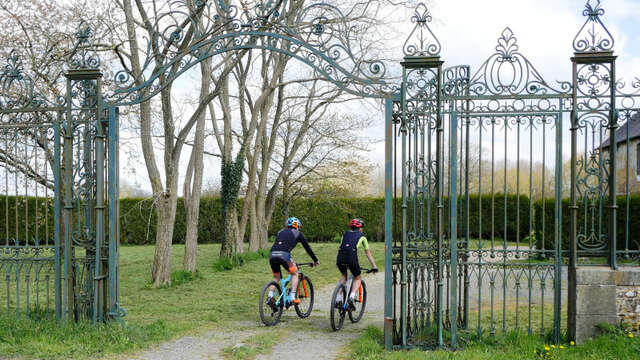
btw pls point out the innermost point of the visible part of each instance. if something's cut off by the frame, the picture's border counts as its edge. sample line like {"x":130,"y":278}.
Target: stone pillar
{"x":604,"y":295}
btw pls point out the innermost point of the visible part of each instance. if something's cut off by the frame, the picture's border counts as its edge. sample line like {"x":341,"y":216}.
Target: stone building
{"x":628,"y":134}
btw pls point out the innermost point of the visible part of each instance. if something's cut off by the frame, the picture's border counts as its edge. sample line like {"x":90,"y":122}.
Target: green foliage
{"x":545,"y":220}
{"x":231,"y":178}
{"x":487,"y":217}
{"x":325,"y":220}
{"x":513,"y":345}
{"x":226,"y":264}
{"x":183,"y":276}
{"x":53,"y":340}
{"x":22,"y":217}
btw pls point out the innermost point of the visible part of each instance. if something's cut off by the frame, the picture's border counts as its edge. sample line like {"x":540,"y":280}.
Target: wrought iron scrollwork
{"x":320,"y":36}
{"x":16,"y":87}
{"x":509,"y":72}
{"x":422,"y":41}
{"x":84,"y":54}
{"x":593,"y":35}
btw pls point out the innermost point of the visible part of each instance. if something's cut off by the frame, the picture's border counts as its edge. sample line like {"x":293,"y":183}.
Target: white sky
{"x":468,"y":31}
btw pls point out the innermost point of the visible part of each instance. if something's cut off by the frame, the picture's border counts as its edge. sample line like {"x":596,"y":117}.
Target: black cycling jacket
{"x":288,"y":238}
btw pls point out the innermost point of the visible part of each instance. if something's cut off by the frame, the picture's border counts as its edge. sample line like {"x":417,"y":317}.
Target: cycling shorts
{"x":282,"y":258}
{"x":350,"y":262}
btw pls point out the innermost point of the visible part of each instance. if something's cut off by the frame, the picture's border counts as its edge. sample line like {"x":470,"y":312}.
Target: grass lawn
{"x":213,"y":300}
{"x":512,"y":346}
{"x":210,"y":301}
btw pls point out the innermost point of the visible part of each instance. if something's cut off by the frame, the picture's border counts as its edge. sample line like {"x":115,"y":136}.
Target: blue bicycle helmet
{"x":294,"y":222}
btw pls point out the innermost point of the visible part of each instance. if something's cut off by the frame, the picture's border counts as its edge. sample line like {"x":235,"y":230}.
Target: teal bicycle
{"x":271,"y":307}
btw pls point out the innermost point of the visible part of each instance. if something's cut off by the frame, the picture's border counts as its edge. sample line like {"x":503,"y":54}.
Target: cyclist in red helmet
{"x":348,"y":256}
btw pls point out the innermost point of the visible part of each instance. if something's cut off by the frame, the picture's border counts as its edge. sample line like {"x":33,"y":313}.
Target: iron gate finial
{"x":593,"y":36}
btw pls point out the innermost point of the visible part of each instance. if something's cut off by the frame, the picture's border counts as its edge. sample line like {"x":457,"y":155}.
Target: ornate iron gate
{"x":476,"y":183}
{"x":59,"y":203}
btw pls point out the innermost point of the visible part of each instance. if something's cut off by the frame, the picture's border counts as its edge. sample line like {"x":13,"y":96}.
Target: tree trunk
{"x":193,"y":190}
{"x":161,"y":271}
{"x":230,"y":220}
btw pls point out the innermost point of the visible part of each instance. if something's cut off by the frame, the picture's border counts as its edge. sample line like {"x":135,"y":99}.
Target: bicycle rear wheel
{"x":338,"y":311}
{"x":305,"y":295}
{"x":270,"y":311}
{"x":359,"y":303}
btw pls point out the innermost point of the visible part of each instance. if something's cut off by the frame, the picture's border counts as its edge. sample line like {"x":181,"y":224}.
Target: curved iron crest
{"x":593,"y":36}
{"x":509,"y":73}
{"x":320,"y":36}
{"x":421,"y":41}
{"x":17,"y":89}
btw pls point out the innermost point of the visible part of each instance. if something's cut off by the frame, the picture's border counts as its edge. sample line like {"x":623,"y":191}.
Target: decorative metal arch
{"x":319,"y":36}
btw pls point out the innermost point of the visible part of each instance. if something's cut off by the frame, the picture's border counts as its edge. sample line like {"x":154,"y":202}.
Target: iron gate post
{"x":388,"y":224}
{"x":439,"y":195}
{"x":453,"y":224}
{"x":99,"y":277}
{"x":573,"y":208}
{"x":613,"y":166}
{"x":403,"y":244}
{"x":67,"y":170}
{"x":57,"y":215}
{"x":113,"y":306}
{"x":557,"y":303}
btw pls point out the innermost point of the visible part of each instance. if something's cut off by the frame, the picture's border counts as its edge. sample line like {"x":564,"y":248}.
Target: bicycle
{"x":271,"y":307}
{"x":340,"y":309}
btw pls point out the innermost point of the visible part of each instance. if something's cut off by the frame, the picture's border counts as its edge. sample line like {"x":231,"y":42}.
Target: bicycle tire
{"x":305,"y":292}
{"x":276,"y":311}
{"x":356,"y":315}
{"x":337,"y":315}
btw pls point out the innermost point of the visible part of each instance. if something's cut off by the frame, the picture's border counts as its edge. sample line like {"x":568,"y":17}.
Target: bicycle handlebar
{"x":305,"y":264}
{"x":369,"y":271}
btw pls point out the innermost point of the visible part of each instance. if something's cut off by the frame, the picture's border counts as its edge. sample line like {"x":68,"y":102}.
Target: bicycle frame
{"x":285,"y":292}
{"x":350,"y":287}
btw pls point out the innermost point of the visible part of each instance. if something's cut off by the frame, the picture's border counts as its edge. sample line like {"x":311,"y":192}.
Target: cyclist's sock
{"x":292,"y":295}
{"x":352,"y":296}
{"x":270,"y":293}
{"x":339,"y":297}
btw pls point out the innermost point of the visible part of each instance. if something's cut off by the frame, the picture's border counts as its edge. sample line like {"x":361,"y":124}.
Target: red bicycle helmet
{"x":357,"y":223}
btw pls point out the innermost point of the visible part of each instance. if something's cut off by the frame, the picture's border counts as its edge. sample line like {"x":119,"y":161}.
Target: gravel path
{"x":310,"y":338}
{"x":313,"y":338}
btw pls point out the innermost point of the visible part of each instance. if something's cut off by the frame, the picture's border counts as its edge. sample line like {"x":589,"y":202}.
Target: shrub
{"x":545,"y":220}
{"x":226,"y":264}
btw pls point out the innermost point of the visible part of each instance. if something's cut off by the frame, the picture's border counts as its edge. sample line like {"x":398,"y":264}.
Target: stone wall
{"x":628,"y":304}
{"x":600,"y":294}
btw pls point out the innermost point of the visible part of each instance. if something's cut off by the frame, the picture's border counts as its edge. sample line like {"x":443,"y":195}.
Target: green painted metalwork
{"x":53,"y":160}
{"x":468,"y":271}
{"x":465,"y":139}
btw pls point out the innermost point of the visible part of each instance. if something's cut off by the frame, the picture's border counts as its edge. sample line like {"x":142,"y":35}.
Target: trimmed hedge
{"x":549,"y":218}
{"x":514,"y":223}
{"x":323,"y":219}
{"x":31,"y":220}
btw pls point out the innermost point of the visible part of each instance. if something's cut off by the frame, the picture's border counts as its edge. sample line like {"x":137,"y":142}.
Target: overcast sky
{"x":468,"y":31}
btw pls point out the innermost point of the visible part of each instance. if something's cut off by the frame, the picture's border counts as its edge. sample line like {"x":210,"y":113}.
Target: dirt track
{"x":310,"y":338}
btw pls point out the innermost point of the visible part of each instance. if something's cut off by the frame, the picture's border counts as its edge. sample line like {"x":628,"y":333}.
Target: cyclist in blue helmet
{"x":286,"y":240}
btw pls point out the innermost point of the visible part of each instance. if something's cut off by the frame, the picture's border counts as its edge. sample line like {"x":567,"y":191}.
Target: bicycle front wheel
{"x":305,"y":295}
{"x":337,"y":312}
{"x":360,"y":302}
{"x":271,"y":306}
